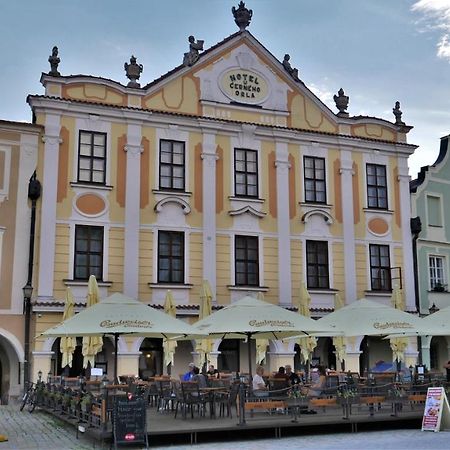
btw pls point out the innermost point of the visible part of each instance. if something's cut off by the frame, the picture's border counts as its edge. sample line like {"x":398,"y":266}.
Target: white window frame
{"x":435,"y":279}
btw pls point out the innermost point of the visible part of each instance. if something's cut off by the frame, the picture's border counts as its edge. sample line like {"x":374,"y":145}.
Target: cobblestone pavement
{"x":38,"y":430}
{"x":370,"y":440}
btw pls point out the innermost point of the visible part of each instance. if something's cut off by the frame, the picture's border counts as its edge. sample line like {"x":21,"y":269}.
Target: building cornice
{"x":300,"y":135}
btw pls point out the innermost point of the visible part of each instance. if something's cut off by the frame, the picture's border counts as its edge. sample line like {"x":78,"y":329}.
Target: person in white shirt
{"x":259,"y":386}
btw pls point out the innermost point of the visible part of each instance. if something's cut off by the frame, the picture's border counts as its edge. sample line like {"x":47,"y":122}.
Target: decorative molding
{"x":169,"y":286}
{"x":51,"y":139}
{"x":134,"y":150}
{"x":68,"y":282}
{"x":326,"y":216}
{"x":282,"y":165}
{"x":247,"y":209}
{"x":172,"y":199}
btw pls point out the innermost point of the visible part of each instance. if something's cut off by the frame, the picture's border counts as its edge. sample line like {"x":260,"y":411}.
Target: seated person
{"x":189,"y":374}
{"x":259,"y":386}
{"x":281,"y":374}
{"x":212,"y":372}
{"x":199,"y":378}
{"x":292,"y":376}
{"x":316,"y":389}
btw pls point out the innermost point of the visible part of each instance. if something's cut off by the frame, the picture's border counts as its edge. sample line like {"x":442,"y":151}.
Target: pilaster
{"x":405,"y":218}
{"x":347,"y":173}
{"x":49,"y":182}
{"x":209,"y":158}
{"x":132,"y":211}
{"x":284,"y":243}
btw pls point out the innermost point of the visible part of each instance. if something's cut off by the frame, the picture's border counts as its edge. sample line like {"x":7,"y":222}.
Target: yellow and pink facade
{"x":228,"y":170}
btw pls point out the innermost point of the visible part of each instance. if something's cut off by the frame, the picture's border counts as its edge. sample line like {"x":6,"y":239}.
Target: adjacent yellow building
{"x":227,"y":169}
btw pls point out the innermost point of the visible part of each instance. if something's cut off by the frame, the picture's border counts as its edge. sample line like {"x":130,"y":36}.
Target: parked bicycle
{"x":29,"y":398}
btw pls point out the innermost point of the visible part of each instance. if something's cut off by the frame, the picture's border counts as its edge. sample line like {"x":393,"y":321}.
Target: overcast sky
{"x":379,"y":51}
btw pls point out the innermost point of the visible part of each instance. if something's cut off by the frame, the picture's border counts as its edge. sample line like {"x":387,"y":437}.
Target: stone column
{"x":41,"y":362}
{"x":49,"y":183}
{"x":278,"y":359}
{"x":127,"y":364}
{"x":352,"y":361}
{"x":347,"y":173}
{"x":209,"y":158}
{"x":405,"y":212}
{"x":283,"y":223}
{"x":426,"y":342}
{"x":132,"y":211}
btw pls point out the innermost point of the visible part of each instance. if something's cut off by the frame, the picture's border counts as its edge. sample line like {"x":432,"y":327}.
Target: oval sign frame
{"x":244,"y":86}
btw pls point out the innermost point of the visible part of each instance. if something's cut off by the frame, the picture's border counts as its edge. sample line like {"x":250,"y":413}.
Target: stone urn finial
{"x":398,"y":114}
{"x":341,"y":101}
{"x":242,"y":16}
{"x":54,"y":60}
{"x":133,"y":71}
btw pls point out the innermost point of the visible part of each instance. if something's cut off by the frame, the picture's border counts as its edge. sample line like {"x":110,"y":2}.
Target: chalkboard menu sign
{"x":129,"y":420}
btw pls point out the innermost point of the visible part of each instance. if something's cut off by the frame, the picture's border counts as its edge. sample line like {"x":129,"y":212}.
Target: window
{"x":436,"y":271}
{"x":317,"y":264}
{"x":380,"y":267}
{"x":246,"y":173}
{"x":376,"y":186}
{"x":314,"y":173}
{"x":92,"y":157}
{"x":171,"y":165}
{"x":246,"y":261}
{"x":88,"y":252}
{"x":434,"y":211}
{"x":170,"y":257}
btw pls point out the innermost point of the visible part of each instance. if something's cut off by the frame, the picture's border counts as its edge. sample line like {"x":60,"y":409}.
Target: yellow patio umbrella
{"x":398,"y":347}
{"x":261,"y":344}
{"x":307,"y":344}
{"x":397,"y":299}
{"x":67,"y":344}
{"x":204,"y":346}
{"x":169,"y":347}
{"x":339,"y":341}
{"x":91,"y":344}
{"x":398,"y":344}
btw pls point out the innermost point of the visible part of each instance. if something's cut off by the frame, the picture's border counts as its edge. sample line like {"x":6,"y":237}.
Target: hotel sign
{"x":244,"y":86}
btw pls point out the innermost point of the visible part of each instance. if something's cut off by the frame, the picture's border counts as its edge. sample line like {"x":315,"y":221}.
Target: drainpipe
{"x":34,"y":192}
{"x":416,"y":228}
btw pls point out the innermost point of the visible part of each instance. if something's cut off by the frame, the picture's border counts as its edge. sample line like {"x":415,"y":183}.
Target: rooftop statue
{"x":242,"y":16}
{"x":289,"y":69}
{"x":398,"y":114}
{"x":341,"y":101}
{"x":54,"y":60}
{"x":191,"y":57}
{"x":133,"y":71}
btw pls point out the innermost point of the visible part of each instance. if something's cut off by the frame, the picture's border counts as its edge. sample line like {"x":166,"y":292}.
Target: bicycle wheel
{"x":24,"y":400}
{"x":32,"y":402}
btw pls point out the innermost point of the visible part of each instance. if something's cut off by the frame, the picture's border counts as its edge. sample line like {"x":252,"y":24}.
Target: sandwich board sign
{"x":129,"y":420}
{"x":436,"y":416}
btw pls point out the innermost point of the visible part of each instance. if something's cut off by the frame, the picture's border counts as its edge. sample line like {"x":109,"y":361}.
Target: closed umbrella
{"x":169,"y":346}
{"x":67,"y":345}
{"x":117,"y":315}
{"x":307,"y":344}
{"x":398,"y":344}
{"x":204,"y":346}
{"x":261,"y":344}
{"x":339,"y":341}
{"x":91,"y":344}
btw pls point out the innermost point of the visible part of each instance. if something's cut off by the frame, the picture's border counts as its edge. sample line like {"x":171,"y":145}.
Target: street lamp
{"x":27,"y":292}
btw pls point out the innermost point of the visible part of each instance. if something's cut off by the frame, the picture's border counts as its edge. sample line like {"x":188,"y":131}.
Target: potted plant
{"x":439,"y":287}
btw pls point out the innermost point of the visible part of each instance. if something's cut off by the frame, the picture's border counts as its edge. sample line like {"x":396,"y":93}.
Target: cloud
{"x":323,"y":92}
{"x":436,"y":16}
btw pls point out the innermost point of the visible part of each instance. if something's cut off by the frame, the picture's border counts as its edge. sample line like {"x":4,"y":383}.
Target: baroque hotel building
{"x":227,"y":169}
